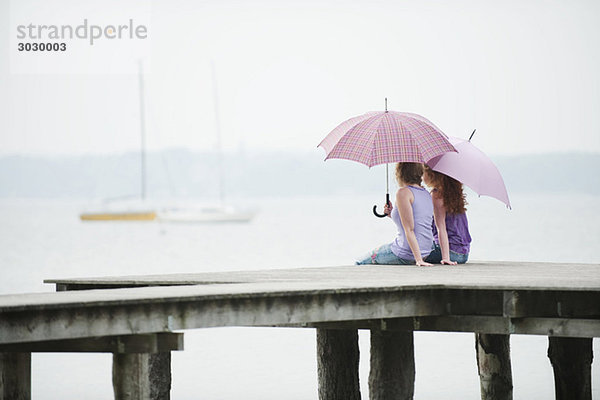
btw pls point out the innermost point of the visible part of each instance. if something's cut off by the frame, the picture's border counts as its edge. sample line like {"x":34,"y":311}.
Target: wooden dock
{"x":138,"y":317}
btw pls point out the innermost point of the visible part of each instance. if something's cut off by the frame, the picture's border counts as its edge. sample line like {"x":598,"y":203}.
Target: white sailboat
{"x":120,"y":210}
{"x":221,"y":212}
{"x":217,"y":213}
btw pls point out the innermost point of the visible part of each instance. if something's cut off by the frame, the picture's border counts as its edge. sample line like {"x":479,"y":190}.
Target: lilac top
{"x":457,"y":227}
{"x":423,"y":217}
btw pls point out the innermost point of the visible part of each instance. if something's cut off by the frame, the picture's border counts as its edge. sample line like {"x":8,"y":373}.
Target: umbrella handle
{"x":387,"y":201}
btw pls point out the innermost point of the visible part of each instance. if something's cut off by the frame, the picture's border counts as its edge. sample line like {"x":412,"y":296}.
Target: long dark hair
{"x":450,"y":189}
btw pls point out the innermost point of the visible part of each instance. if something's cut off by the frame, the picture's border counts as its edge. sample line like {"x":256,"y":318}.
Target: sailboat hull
{"x":119,"y":216}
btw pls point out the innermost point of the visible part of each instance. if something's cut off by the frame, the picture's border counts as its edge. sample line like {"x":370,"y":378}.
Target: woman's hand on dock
{"x":448,"y":262}
{"x":422,"y":263}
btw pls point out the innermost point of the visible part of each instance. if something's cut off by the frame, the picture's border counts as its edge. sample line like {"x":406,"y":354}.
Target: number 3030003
{"x":42,"y":46}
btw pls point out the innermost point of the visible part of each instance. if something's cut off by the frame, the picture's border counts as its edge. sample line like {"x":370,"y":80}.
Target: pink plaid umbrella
{"x":473,"y":168}
{"x":386,"y":137}
{"x":381,"y":137}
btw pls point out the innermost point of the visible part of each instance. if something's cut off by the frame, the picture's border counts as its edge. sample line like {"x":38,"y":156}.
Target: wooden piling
{"x":493,"y":364}
{"x":142,"y":376}
{"x":571,"y":360}
{"x":337,"y":360}
{"x":392,"y":374}
{"x":15,"y":376}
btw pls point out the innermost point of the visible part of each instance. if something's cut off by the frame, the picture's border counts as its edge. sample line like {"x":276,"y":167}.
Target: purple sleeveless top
{"x":423,"y":217}
{"x":457,"y":227}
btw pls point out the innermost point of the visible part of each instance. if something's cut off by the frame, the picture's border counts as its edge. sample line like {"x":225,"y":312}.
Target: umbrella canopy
{"x":473,"y":168}
{"x":381,"y":137}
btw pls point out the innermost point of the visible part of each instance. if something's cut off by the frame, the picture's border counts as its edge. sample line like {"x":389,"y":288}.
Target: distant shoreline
{"x":183,"y":173}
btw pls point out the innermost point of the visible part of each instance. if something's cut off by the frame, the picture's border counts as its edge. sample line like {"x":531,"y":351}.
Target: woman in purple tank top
{"x":413,"y":215}
{"x":451,"y":228}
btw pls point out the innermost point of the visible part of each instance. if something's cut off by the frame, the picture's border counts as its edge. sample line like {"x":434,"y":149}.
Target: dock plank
{"x":492,"y":275}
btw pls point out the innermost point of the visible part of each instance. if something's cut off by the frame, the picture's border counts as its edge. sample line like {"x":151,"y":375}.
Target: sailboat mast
{"x":142,"y":131}
{"x":218,"y":129}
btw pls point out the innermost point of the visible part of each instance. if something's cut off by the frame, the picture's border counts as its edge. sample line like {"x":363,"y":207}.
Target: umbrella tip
{"x":386,"y":110}
{"x":470,"y":137}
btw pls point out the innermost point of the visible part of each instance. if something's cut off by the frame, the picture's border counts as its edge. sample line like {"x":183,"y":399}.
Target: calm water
{"x":45,"y":239}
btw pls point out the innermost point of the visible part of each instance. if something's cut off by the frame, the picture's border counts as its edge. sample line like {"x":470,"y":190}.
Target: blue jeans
{"x":384,"y":255}
{"x":435,"y":257}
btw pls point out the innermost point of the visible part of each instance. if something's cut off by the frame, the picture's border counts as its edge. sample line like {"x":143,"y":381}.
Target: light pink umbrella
{"x":381,"y":137}
{"x":473,"y":168}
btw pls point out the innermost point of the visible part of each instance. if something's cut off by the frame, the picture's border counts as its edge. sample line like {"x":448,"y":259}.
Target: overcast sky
{"x":524,"y":73}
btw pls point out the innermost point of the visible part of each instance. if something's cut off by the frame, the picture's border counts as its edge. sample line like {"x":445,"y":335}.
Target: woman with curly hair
{"x":413,"y":215}
{"x":451,"y":228}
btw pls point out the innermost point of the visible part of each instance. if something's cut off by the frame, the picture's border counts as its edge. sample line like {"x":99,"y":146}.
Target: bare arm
{"x":404,"y":200}
{"x":439,"y":216}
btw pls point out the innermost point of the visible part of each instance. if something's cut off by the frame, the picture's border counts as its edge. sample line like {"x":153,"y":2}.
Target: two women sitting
{"x":432,"y":227}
